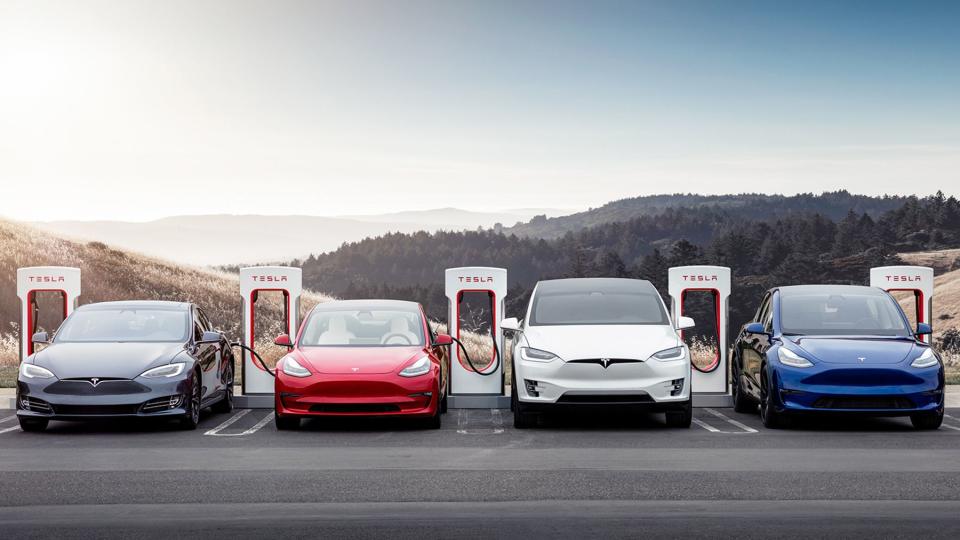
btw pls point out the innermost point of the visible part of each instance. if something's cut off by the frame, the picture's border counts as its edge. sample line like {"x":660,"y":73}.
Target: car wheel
{"x":768,"y":411}
{"x":434,"y":421}
{"x":225,"y":405}
{"x":741,"y":403}
{"x":286,"y":423}
{"x":928,"y":420}
{"x":190,"y":420}
{"x":681,"y":418}
{"x":33,"y":424}
{"x":522,"y":419}
{"x":443,"y":404}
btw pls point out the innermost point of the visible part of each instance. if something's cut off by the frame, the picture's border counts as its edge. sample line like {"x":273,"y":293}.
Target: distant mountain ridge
{"x":833,"y":205}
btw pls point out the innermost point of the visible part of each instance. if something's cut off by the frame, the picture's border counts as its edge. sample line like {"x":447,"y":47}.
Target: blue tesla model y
{"x":836,"y":348}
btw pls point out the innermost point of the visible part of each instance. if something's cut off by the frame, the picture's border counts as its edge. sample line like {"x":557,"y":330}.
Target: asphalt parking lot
{"x":592,"y":474}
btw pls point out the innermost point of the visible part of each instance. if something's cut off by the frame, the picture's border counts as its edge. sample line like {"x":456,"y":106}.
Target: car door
{"x":207,"y":356}
{"x":222,"y":348}
{"x":752,"y":348}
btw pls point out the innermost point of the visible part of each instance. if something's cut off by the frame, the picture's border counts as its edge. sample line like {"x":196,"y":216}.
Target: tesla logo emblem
{"x":47,"y":279}
{"x":605,"y":362}
{"x":355,"y":369}
{"x":903,"y":278}
{"x":700,"y":277}
{"x":861,"y":359}
{"x":268,"y":278}
{"x":476,"y":279}
{"x":94,"y":381}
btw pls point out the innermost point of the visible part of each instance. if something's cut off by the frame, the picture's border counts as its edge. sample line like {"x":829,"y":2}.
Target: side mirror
{"x":283,"y":340}
{"x":40,"y":338}
{"x":924,"y":329}
{"x":210,"y":337}
{"x":685,"y":322}
{"x":754,"y":328}
{"x":510,"y":324}
{"x":443,"y":340}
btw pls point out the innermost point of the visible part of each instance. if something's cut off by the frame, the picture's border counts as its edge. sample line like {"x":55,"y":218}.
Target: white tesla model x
{"x":599,"y":342}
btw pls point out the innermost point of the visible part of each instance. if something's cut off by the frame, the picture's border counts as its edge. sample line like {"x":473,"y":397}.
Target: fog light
{"x":676,"y":387}
{"x":174,"y":402}
{"x":531,"y":387}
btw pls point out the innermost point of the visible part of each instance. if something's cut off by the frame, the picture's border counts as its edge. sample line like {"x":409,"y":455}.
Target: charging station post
{"x":61,"y":280}
{"x":710,"y":384}
{"x":476,"y":382}
{"x":258,"y":384}
{"x":917,"y":280}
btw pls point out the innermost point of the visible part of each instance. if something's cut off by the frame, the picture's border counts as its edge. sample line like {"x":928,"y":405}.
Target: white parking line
{"x":228,"y":423}
{"x":706,"y":426}
{"x":7,"y":419}
{"x":6,"y":430}
{"x":724,"y":417}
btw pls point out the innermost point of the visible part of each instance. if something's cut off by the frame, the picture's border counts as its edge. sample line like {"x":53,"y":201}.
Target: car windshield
{"x":597,"y":302}
{"x":841,"y":312}
{"x":363,"y":328}
{"x":126,"y":325}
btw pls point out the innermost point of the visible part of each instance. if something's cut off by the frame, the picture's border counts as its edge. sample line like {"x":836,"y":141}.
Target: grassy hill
{"x":112,"y":274}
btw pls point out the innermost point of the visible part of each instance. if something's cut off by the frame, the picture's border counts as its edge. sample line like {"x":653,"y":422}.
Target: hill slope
{"x":111,"y":274}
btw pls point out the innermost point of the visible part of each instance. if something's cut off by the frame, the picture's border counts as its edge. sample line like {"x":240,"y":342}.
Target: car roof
{"x":137,"y":304}
{"x":596,"y":284}
{"x":831,"y":289}
{"x":372,"y":303}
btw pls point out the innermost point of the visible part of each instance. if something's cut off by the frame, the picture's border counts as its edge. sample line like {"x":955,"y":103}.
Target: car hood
{"x":121,"y":360}
{"x":358,"y":360}
{"x":850,"y":350}
{"x":571,"y":342}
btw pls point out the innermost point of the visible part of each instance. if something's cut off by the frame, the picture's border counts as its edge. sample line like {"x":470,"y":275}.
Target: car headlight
{"x":293,"y":368}
{"x":420,"y":367}
{"x":536,"y":355}
{"x":673,"y":353}
{"x":925,"y":360}
{"x":32,"y":371}
{"x":792,"y":359}
{"x":169,"y":370}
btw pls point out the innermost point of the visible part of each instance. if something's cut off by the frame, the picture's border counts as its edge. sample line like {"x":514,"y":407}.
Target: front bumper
{"x":54,"y":400}
{"x":358,"y":395}
{"x":898,"y":390}
{"x":651,"y":384}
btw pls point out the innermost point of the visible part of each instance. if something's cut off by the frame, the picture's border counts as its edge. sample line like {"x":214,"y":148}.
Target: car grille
{"x":863,"y":377}
{"x":603,"y":399}
{"x":609,"y":361}
{"x":354,"y":407}
{"x":863,"y":402}
{"x":104,"y":387}
{"x":95,"y":410}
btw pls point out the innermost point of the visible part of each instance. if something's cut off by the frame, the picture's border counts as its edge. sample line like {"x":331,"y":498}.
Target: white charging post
{"x":258,"y":384}
{"x":63,"y":280}
{"x":913,"y":279}
{"x":480,"y":385}
{"x":709,"y":384}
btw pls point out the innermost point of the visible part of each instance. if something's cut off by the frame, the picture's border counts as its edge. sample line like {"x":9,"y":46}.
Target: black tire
{"x":225,"y":405}
{"x":286,"y":423}
{"x":928,"y":420}
{"x":772,"y":419}
{"x":681,"y":418}
{"x":443,"y":405}
{"x":741,"y":402}
{"x":522,"y":419}
{"x":190,"y":420}
{"x":33,"y":425}
{"x":435,"y":421}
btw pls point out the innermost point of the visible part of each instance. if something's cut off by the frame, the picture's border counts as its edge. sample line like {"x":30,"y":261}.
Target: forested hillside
{"x":834,"y":205}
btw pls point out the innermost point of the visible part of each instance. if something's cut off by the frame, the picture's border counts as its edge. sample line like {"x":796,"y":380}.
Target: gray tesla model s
{"x":127,"y":359}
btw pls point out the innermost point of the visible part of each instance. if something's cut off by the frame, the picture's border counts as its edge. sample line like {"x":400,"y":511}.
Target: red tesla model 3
{"x":363,"y":358}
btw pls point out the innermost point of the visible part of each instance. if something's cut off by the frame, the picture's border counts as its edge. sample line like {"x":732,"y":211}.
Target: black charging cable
{"x":255,"y":355}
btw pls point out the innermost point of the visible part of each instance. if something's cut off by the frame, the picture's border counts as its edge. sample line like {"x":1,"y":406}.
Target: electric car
{"x":363,"y":358}
{"x":127,"y":359}
{"x":599,"y":342}
{"x":836,"y":348}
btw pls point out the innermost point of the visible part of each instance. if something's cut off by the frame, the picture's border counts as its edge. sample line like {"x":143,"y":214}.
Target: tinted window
{"x":137,"y":325}
{"x":843,"y":311}
{"x":597,"y":301}
{"x":363,"y":328}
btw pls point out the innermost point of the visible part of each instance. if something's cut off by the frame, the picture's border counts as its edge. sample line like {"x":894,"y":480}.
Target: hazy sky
{"x":136,"y":110}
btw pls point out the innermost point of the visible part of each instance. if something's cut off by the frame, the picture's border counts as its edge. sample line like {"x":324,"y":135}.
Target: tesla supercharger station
{"x":917,"y":280}
{"x":258,"y":383}
{"x":480,"y":384}
{"x":710,"y":383}
{"x":62,"y":280}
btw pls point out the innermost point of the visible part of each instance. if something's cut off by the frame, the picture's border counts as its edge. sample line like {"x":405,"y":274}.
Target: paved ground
{"x":591,"y":475}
